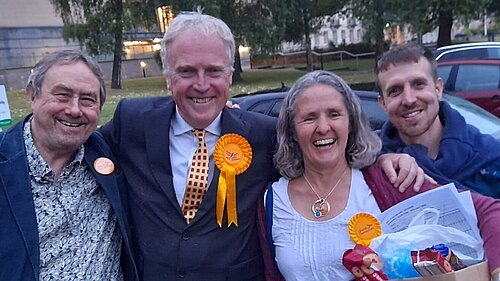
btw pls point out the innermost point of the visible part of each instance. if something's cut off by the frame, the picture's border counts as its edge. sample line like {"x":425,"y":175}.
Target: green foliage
{"x":373,"y":14}
{"x":92,"y":22}
{"x":423,"y":15}
{"x":297,"y":19}
{"x":99,"y":25}
{"x":493,"y":7}
{"x":259,"y":30}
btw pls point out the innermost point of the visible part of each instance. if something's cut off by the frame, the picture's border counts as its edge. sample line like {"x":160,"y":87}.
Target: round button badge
{"x":104,"y":166}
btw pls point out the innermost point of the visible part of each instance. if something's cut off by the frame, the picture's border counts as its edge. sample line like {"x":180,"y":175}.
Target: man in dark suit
{"x":61,"y":211}
{"x":155,"y":139}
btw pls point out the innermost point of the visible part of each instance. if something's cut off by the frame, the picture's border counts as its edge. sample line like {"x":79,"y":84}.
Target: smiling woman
{"x":323,"y":140}
{"x":325,"y":154}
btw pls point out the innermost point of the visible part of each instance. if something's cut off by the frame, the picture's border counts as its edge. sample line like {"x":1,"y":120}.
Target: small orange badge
{"x":104,"y":166}
{"x":363,"y":228}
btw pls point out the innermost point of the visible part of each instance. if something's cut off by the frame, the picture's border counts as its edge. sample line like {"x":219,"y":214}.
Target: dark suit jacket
{"x":165,"y":246}
{"x":19,"y":245}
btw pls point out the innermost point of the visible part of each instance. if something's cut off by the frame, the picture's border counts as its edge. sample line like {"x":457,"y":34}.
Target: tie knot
{"x":200,"y":134}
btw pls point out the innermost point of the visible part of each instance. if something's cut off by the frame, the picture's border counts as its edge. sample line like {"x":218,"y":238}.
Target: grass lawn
{"x":253,"y":80}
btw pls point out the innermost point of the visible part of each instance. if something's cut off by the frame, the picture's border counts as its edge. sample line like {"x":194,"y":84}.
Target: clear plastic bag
{"x":423,"y":232}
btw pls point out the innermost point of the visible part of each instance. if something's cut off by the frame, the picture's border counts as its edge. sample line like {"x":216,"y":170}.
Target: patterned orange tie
{"x":197,"y":180}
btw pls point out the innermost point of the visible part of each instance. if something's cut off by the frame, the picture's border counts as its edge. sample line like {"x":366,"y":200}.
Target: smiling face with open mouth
{"x":201,"y":77}
{"x":321,"y":127}
{"x":67,"y":109}
{"x":411,"y":100}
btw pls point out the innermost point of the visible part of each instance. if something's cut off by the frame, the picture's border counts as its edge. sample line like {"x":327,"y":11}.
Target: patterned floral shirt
{"x":79,"y":239}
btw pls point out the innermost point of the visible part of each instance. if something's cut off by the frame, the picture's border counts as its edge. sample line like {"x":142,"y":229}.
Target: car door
{"x":478,"y":83}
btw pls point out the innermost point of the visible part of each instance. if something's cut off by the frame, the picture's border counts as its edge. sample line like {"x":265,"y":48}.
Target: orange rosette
{"x":363,"y":228}
{"x":232,"y":155}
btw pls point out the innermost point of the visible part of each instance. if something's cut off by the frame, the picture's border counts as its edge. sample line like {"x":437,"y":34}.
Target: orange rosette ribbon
{"x":233,"y":156}
{"x":363,"y":228}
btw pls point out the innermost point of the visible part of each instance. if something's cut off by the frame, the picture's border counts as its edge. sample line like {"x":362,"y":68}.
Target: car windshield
{"x":476,"y":116}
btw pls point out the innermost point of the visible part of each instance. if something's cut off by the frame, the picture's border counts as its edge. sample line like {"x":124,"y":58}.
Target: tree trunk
{"x":379,"y":25}
{"x":237,"y":66}
{"x":116,"y":76}
{"x":445,"y":21}
{"x":309,"y":59}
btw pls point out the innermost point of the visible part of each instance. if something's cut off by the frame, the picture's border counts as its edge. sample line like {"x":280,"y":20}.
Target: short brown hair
{"x":64,"y":57}
{"x":404,"y":53}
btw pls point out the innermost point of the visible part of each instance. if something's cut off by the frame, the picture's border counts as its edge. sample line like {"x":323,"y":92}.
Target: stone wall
{"x":15,"y":78}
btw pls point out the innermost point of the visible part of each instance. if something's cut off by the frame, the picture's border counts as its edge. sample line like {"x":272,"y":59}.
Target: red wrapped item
{"x":448,"y":254}
{"x":364,"y":264}
{"x":430,"y":262}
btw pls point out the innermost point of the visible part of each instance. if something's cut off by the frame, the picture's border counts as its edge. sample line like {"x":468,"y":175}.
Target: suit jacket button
{"x":185,"y":236}
{"x":182,"y":274}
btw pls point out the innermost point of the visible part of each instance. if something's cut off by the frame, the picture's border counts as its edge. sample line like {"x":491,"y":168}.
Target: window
{"x":275,"y":110}
{"x":444,"y":72}
{"x":335,"y":35}
{"x":464,"y":54}
{"x":494,"y":53}
{"x":477,"y":78}
{"x":325,"y":37}
{"x":261,"y":107}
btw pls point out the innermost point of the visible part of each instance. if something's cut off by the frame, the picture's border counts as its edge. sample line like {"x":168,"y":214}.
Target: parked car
{"x":270,"y":103}
{"x":475,"y":80}
{"x":479,"y":50}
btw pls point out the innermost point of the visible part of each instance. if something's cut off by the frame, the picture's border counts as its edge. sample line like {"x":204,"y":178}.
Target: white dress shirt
{"x":308,"y":250}
{"x":183,"y":145}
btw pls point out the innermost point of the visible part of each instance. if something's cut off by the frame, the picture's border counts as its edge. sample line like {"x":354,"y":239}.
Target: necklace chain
{"x":331,"y":191}
{"x":321,"y":207}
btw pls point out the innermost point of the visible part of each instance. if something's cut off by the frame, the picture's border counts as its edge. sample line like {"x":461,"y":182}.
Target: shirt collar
{"x":180,"y":126}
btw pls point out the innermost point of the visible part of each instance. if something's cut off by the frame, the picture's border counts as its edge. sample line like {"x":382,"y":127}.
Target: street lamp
{"x":143,"y":66}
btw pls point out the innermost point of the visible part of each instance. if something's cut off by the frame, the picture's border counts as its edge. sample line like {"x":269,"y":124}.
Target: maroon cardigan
{"x":487,"y":210}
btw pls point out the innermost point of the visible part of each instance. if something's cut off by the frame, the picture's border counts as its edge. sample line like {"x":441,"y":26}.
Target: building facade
{"x":334,"y":31}
{"x":30,"y":29}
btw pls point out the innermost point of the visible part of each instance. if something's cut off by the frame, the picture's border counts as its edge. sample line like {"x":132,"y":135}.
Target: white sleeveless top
{"x":312,"y":250}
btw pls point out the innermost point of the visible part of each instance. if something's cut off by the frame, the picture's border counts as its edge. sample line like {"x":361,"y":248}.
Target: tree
{"x":429,"y":14}
{"x":260,"y":32}
{"x":250,"y":22}
{"x":404,"y":12}
{"x":493,"y":8}
{"x":372,"y":14}
{"x":99,"y":25}
{"x":297,"y":19}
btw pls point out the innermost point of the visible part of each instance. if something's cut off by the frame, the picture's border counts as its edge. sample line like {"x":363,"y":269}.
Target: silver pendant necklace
{"x":321,"y":207}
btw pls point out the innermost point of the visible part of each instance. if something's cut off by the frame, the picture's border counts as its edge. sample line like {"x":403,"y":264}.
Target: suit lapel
{"x":93,"y":150}
{"x":108,"y":182}
{"x":157,"y":128}
{"x":17,"y":186}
